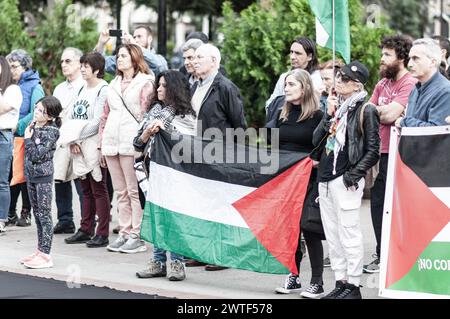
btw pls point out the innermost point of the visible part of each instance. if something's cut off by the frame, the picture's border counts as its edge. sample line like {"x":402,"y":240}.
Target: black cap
{"x":356,"y":71}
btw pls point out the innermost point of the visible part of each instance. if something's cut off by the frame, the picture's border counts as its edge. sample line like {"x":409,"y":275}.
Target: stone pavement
{"x":77,"y":264}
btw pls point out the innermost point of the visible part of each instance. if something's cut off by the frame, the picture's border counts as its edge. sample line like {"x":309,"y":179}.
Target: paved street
{"x":77,"y":264}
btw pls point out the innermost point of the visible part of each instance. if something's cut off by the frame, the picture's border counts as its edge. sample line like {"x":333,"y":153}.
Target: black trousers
{"x":377,"y":200}
{"x":315,"y":252}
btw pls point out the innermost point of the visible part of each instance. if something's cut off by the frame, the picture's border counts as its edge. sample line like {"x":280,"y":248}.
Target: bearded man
{"x":390,"y":97}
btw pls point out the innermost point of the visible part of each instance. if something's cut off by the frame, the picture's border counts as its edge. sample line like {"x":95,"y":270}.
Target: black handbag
{"x":311,"y":220}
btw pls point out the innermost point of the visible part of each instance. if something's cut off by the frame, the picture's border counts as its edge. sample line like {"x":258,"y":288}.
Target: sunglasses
{"x":343,"y":77}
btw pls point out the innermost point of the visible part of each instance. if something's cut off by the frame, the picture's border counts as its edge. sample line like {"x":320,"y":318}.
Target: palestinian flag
{"x":225,"y":211}
{"x":419,"y":245}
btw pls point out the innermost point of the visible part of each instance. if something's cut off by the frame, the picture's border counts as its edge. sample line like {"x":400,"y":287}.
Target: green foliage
{"x":257,"y":43}
{"x":55,"y":33}
{"x":12,"y":27}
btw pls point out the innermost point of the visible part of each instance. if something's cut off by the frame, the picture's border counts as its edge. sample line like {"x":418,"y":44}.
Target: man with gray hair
{"x":189,"y":49}
{"x":428,"y":103}
{"x":66,"y":92}
{"x":216,"y":101}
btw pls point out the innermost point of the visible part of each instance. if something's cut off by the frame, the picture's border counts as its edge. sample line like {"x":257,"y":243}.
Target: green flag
{"x":323,"y":10}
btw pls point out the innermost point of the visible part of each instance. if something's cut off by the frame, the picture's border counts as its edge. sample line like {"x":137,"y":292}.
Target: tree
{"x":53,"y":34}
{"x":13,"y":34}
{"x":257,"y":42}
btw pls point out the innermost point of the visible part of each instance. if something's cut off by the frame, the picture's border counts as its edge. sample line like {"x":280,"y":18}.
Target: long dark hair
{"x":310,"y":48}
{"x":178,"y":92}
{"x":52,"y":107}
{"x":6,"y":78}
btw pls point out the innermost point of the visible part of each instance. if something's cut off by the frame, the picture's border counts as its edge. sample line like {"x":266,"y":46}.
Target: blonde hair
{"x":310,"y":99}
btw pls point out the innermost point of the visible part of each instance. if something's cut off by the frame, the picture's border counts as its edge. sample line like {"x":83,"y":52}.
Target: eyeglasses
{"x":343,"y":77}
{"x":67,"y":61}
{"x":14,"y":66}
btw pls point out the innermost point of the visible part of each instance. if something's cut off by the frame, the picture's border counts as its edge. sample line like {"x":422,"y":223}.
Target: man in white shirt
{"x":67,"y":93}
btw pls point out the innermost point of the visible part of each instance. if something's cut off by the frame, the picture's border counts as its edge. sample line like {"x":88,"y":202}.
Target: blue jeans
{"x":6,"y":154}
{"x":63,"y":198}
{"x":160,"y":255}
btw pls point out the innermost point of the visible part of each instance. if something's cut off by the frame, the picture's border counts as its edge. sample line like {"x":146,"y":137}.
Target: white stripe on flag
{"x":196,"y":197}
{"x":444,"y":235}
{"x":322,"y":35}
{"x":443,"y":193}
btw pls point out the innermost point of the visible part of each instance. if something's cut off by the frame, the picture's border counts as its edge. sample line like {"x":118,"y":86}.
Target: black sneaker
{"x":349,"y":292}
{"x":64,"y":228}
{"x":80,"y":237}
{"x":97,"y":241}
{"x":373,"y":267}
{"x":314,"y":291}
{"x":291,"y":284}
{"x":12,"y":220}
{"x":25,"y":218}
{"x":340,"y":286}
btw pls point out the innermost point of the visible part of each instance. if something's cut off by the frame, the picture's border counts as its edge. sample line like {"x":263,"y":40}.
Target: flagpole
{"x":334,"y":44}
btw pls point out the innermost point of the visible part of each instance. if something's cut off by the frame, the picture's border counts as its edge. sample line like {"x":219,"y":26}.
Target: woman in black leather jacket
{"x":349,"y":145}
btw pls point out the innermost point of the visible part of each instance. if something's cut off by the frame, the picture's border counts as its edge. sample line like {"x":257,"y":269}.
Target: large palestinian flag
{"x":416,"y":225}
{"x":226,"y":211}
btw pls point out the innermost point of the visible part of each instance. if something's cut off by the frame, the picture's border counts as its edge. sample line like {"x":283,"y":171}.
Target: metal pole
{"x":118,"y":14}
{"x":334,"y":44}
{"x":162,"y":27}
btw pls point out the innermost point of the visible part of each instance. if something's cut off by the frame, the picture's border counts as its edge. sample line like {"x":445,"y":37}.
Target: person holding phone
{"x":142,"y":37}
{"x":348,"y":150}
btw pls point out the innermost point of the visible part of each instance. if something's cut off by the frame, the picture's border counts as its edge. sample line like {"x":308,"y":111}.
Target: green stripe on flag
{"x":431,"y":272}
{"x":210,"y":242}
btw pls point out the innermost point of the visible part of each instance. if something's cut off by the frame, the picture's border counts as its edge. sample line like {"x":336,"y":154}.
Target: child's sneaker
{"x":28,"y":258}
{"x":40,"y":261}
{"x":291,"y":284}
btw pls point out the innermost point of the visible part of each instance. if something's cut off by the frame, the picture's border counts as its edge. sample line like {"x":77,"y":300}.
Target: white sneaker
{"x":133,"y":245}
{"x":119,"y":242}
{"x":2,"y":228}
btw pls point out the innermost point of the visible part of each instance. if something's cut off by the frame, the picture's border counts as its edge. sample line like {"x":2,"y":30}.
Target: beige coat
{"x":121,"y":127}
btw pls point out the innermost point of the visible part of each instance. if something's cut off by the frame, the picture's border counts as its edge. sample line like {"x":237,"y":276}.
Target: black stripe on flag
{"x":428,"y":157}
{"x":245,"y":174}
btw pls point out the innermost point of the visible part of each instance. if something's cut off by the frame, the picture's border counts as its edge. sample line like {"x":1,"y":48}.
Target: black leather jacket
{"x":363,"y":148}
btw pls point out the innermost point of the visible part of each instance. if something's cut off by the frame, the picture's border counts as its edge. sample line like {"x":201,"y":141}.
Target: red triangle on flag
{"x":417,"y":217}
{"x":273,"y":212}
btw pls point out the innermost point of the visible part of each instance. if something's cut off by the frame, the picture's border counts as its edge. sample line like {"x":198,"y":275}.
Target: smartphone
{"x":115,"y":33}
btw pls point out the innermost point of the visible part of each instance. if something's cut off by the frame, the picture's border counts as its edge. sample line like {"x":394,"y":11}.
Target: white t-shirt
{"x":89,"y":106}
{"x":12,"y":97}
{"x":67,"y":92}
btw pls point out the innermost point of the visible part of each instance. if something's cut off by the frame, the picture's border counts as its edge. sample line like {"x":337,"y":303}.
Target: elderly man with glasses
{"x":349,"y":144}
{"x":66,"y":92}
{"x":29,"y":82}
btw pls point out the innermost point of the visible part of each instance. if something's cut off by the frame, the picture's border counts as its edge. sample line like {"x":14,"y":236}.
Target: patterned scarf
{"x":336,"y":138}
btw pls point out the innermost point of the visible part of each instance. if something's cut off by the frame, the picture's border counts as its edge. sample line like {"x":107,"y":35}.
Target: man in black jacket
{"x":216,"y":100}
{"x":349,"y":143}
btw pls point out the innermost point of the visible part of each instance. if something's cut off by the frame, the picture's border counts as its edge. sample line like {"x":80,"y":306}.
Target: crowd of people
{"x":90,"y":132}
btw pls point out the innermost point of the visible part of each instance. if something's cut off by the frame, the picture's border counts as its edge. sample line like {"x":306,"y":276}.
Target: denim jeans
{"x":160,"y":255}
{"x":6,"y":154}
{"x":63,"y":198}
